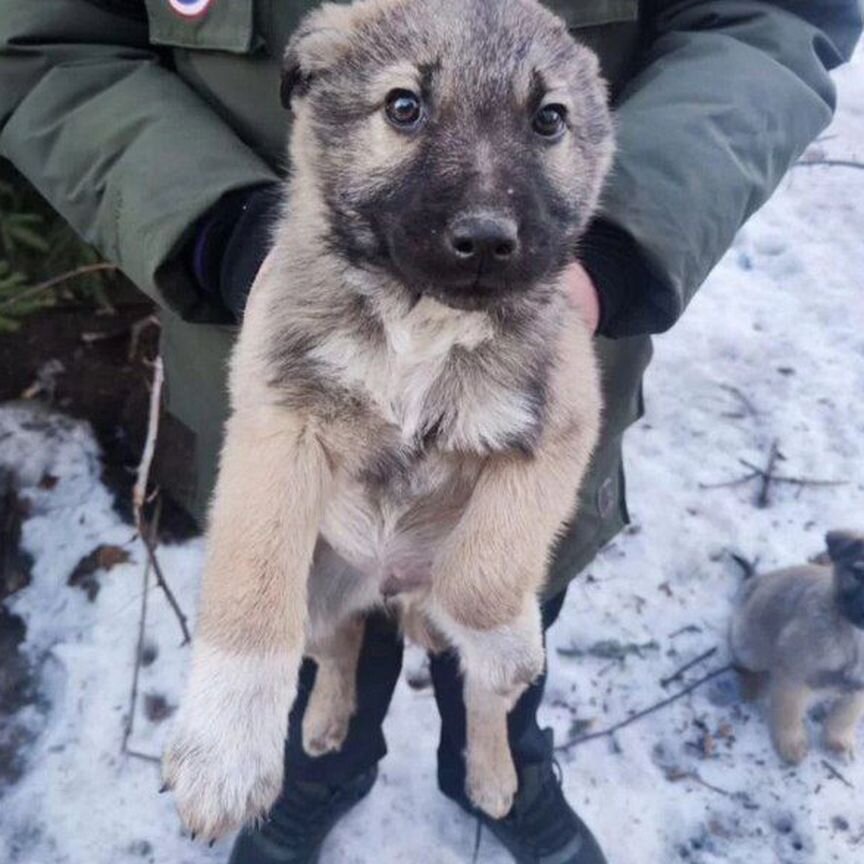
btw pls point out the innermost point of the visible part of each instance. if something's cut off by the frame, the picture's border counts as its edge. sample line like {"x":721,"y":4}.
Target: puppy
{"x":804,"y":627}
{"x":414,"y":398}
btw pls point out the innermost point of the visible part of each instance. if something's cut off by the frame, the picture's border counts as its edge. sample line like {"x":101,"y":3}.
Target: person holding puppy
{"x":155,"y":129}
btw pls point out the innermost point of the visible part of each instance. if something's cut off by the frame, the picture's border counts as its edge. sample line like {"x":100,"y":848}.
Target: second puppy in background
{"x":804,"y":627}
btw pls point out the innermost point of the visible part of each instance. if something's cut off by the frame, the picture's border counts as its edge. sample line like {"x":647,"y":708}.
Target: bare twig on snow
{"x":745,"y":401}
{"x":748,"y":567}
{"x":139,"y":497}
{"x":835,"y":773}
{"x":689,"y":628}
{"x":651,"y":709}
{"x":677,"y":675}
{"x":696,"y":777}
{"x":836,"y":163}
{"x":769,"y":477}
{"x":139,"y":648}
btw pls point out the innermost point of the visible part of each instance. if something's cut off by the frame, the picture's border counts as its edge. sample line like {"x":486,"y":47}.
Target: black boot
{"x":300,"y":820}
{"x":541,"y":828}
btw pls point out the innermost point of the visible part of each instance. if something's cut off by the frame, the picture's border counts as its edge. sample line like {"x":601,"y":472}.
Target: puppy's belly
{"x":392,"y":535}
{"x":370,"y":539}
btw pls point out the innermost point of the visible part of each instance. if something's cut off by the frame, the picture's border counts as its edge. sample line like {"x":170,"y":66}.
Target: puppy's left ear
{"x":845,"y":546}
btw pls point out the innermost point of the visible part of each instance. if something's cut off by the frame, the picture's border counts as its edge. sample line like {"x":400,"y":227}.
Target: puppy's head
{"x":458,"y":144}
{"x":846,"y":550}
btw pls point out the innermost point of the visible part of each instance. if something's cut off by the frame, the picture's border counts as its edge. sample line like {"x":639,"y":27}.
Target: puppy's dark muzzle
{"x":481,"y":245}
{"x":472,"y":261}
{"x":851,"y":605}
{"x":475,"y":249}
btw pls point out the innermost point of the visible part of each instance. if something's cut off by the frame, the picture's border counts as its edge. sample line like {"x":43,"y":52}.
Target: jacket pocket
{"x":214,"y":25}
{"x":593,"y":13}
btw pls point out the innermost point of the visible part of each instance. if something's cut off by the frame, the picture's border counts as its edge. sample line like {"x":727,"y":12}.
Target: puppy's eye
{"x":550,"y":121}
{"x":404,"y":109}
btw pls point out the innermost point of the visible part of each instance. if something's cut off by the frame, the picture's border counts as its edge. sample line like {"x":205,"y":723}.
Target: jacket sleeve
{"x":727,"y":95}
{"x":118,"y":144}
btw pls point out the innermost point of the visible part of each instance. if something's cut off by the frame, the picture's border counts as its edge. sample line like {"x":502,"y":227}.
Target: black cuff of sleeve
{"x":231,"y":242}
{"x":620,"y":274}
{"x":635,"y":299}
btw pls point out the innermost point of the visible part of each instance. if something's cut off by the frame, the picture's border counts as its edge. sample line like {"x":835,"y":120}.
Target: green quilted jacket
{"x":133,"y":117}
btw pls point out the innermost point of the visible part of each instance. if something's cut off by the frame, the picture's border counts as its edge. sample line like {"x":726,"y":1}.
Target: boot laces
{"x":301,"y":815}
{"x":545,"y":823}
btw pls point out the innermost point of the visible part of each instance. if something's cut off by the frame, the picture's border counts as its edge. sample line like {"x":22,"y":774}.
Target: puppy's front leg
{"x":488,"y":576}
{"x":787,"y":702}
{"x":225,"y":760}
{"x":490,"y":782}
{"x":494,"y":563}
{"x":841,"y":726}
{"x":485,"y":601}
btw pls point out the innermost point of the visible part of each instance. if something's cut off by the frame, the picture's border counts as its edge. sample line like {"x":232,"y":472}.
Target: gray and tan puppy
{"x":803,"y":627}
{"x":414,"y":398}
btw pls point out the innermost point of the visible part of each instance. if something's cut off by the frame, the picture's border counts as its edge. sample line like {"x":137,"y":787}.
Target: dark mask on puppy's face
{"x":846,"y":549}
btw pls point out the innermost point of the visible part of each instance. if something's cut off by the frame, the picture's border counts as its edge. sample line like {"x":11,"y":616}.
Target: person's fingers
{"x":582,"y":292}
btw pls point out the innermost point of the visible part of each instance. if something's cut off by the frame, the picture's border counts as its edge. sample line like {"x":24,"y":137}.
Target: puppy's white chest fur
{"x":398,"y":374}
{"x":396,"y":528}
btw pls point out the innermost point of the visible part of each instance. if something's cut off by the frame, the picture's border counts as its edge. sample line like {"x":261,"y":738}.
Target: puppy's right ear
{"x":317,"y":44}
{"x":845,"y":546}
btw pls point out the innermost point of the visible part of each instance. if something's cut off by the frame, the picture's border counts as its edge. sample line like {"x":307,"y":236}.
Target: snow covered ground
{"x":771,"y":349}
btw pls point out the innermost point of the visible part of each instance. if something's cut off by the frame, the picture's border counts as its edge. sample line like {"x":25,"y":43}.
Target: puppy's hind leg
{"x":491,"y":781}
{"x":787,"y":705}
{"x":333,"y":700}
{"x":841,"y":724}
{"x":498,"y":665}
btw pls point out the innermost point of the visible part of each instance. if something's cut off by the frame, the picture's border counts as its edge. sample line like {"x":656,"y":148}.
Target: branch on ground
{"x":748,"y":567}
{"x":835,"y":773}
{"x":835,"y":163}
{"x":139,"y":497}
{"x":746,"y":403}
{"x":645,"y":712}
{"x":129,"y":728}
{"x":679,"y":674}
{"x":768,"y":478}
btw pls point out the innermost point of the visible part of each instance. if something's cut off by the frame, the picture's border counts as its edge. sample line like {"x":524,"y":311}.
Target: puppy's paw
{"x":219,"y":789}
{"x":841,"y":744}
{"x":224,"y":761}
{"x":325,"y":727}
{"x":792,"y":746}
{"x":491,"y":785}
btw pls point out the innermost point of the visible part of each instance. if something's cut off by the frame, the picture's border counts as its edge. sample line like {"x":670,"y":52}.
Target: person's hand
{"x":583,"y":294}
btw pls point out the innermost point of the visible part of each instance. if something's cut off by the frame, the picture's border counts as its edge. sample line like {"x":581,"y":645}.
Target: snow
{"x":780,"y":320}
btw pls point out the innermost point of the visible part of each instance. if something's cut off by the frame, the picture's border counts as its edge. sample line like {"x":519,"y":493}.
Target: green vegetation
{"x":37,"y":247}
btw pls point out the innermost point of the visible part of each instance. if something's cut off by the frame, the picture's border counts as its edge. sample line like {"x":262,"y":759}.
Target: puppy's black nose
{"x":486,"y":238}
